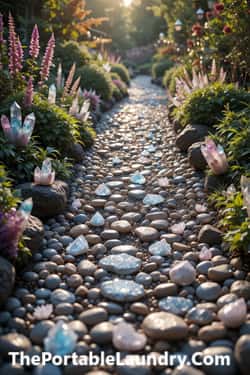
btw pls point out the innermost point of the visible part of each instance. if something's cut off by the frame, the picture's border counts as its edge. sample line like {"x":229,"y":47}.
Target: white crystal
{"x":163,"y":182}
{"x":103,"y":190}
{"x":205,"y":254}
{"x":76,"y":204}
{"x":52,"y":94}
{"x":182,"y":273}
{"x":200,"y":208}
{"x":178,"y":228}
{"x":78,"y":246}
{"x":125,"y":338}
{"x":43,"y":312}
{"x":138,"y":178}
{"x":161,"y":248}
{"x":97,"y":220}
{"x":153,"y":199}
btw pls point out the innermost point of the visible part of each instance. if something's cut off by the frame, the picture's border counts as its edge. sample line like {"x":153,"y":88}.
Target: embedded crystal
{"x":122,"y":264}
{"x":122,"y":290}
{"x":176,"y":305}
{"x":233,"y":314}
{"x":125,"y":338}
{"x":161,"y":248}
{"x":178,"y":228}
{"x":45,"y":175}
{"x":182,"y":273}
{"x":52,"y":94}
{"x":163,"y":182}
{"x":61,"y":339}
{"x":138,"y":178}
{"x":97,"y":220}
{"x":116,"y":161}
{"x":103,"y":190}
{"x":78,"y":246}
{"x":153,"y":199}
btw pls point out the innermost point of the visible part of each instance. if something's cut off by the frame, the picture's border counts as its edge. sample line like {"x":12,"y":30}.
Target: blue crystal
{"x":61,"y":340}
{"x":97,"y":220}
{"x":103,"y":190}
{"x":138,"y":178}
{"x":176,"y":305}
{"x":150,"y":135}
{"x":78,"y":247}
{"x":161,"y":248}
{"x":153,"y":199}
{"x":122,"y":290}
{"x":16,"y":117}
{"x":116,"y":161}
{"x":122,"y":264}
{"x":151,"y":148}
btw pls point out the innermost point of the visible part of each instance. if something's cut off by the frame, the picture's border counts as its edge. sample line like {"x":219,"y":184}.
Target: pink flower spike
{"x":178,"y":228}
{"x":34,"y":43}
{"x":47,"y":59}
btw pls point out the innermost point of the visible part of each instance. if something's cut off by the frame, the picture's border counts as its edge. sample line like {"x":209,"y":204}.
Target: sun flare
{"x":127,"y":3}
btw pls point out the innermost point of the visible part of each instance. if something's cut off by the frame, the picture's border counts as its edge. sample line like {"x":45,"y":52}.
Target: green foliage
{"x":5,"y":84}
{"x":69,"y":53}
{"x":94,"y":77}
{"x":159,"y":68}
{"x":122,"y":71}
{"x":206,"y":106}
{"x":8,"y":199}
{"x":233,"y":132}
{"x":87,"y":134}
{"x":234,"y":220}
{"x":169,"y":79}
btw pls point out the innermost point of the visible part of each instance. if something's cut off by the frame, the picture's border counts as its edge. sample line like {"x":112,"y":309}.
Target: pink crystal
{"x":205,"y":254}
{"x":215,"y":157}
{"x":45,"y":175}
{"x":182,"y":273}
{"x":125,"y":338}
{"x":163,"y":182}
{"x":233,"y":314}
{"x":200,"y":208}
{"x":178,"y":228}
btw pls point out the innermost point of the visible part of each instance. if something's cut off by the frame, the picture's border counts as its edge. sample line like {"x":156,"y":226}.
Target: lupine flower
{"x":14,"y":63}
{"x":34,"y":43}
{"x":75,"y":86}
{"x":69,"y":80}
{"x":19,"y":53}
{"x":28,"y":98}
{"x":47,"y":59}
{"x":1,"y":29}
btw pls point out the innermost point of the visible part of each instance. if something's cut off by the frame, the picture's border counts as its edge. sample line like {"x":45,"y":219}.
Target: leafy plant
{"x":206,"y":106}
{"x":69,"y":53}
{"x":8,"y":199}
{"x":122,"y":72}
{"x":95,"y":78}
{"x":234,"y":220}
{"x":159,"y":68}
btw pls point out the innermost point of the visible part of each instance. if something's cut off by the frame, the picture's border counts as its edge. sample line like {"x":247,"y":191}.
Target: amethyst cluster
{"x":11,"y":228}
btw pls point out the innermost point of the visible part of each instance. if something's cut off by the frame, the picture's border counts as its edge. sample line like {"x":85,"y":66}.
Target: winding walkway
{"x":86,"y":290}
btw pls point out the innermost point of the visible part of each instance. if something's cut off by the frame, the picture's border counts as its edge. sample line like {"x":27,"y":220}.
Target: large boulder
{"x":210,"y":235}
{"x":191,"y":134}
{"x":76,"y":152}
{"x":34,"y":233}
{"x":213,"y":182}
{"x":48,"y":201}
{"x":7,"y":279}
{"x":195,"y":157}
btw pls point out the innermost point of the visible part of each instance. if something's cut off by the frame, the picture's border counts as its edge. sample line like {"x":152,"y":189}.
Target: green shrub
{"x":94,"y":77}
{"x":159,"y":68}
{"x":233,"y":133}
{"x":206,"y":106}
{"x":7,"y":198}
{"x":69,"y":53}
{"x":122,"y":71}
{"x":5,"y":84}
{"x":169,"y":79}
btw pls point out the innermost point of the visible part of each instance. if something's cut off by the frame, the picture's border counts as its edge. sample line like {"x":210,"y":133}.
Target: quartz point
{"x":61,"y":339}
{"x":153,"y":199}
{"x":138,"y":178}
{"x":162,"y":248}
{"x":97,"y":220}
{"x":52,"y":94}
{"x":45,"y":175}
{"x":125,"y":338}
{"x":78,"y":246}
{"x":103,"y":190}
{"x":26,"y":208}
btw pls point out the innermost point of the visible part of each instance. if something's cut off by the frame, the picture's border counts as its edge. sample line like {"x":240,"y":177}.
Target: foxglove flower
{"x":19,"y":53}
{"x":47,"y":60}
{"x":28,"y":98}
{"x":14,"y":51}
{"x":17,"y":133}
{"x":34,"y":43}
{"x":69,"y":80}
{"x":215,"y":157}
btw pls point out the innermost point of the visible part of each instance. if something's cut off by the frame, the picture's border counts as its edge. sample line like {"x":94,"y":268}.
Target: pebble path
{"x":143,"y":266}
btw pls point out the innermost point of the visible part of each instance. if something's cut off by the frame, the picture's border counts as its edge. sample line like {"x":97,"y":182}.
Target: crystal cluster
{"x":17,"y":133}
{"x":45,"y":175}
{"x":138,"y":178}
{"x":61,"y":339}
{"x":245,"y":188}
{"x":12,"y":226}
{"x":81,"y":114}
{"x":125,"y":338}
{"x":78,"y":246}
{"x":43,"y":312}
{"x":215,"y":157}
{"x":52,"y":94}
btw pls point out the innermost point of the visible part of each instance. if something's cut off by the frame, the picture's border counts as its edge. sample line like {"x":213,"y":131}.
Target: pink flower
{"x":227,"y":29}
{"x":1,"y":29}
{"x":29,"y":94}
{"x":14,"y":49}
{"x":47,"y":59}
{"x":34,"y":43}
{"x":19,"y":53}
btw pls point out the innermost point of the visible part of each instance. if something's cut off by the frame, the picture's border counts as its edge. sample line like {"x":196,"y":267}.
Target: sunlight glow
{"x":127,"y":3}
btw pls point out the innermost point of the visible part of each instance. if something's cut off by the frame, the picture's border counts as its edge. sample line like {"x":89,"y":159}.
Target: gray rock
{"x":228,"y":367}
{"x":7,"y":279}
{"x":121,"y":264}
{"x":48,"y":201}
{"x":102,"y":333}
{"x":40,"y":330}
{"x":165,"y":326}
{"x":93,"y":316}
{"x":34,"y":233}
{"x":210,"y":235}
{"x":209,"y":291}
{"x":220,"y":273}
{"x":14,"y":342}
{"x":242,"y":353}
{"x":147,"y":234}
{"x":191,"y":134}
{"x":60,"y":296}
{"x":195,"y":157}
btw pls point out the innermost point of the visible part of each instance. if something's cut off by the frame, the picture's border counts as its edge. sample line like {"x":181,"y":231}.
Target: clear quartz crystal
{"x":52,"y":94}
{"x":162,"y":248}
{"x":153,"y":199}
{"x":103,"y":190}
{"x":138,"y":178}
{"x":45,"y":175}
{"x":15,"y":116}
{"x":78,"y":246}
{"x":26,"y":208}
{"x":61,"y":339}
{"x":97,"y":220}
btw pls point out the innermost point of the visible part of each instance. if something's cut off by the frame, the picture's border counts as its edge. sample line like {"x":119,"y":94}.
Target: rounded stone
{"x":165,"y":326}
